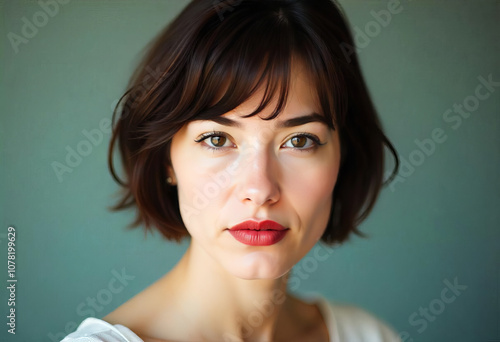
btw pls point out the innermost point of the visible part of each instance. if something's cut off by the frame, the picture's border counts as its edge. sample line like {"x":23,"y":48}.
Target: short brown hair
{"x":210,"y":59}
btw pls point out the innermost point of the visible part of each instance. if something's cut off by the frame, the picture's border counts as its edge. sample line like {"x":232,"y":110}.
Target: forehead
{"x":302,"y":96}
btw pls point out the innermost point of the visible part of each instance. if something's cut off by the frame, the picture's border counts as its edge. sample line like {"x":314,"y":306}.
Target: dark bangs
{"x":215,"y":56}
{"x":256,"y":47}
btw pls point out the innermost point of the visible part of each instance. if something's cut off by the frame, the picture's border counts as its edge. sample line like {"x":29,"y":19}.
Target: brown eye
{"x":305,"y":142}
{"x":214,"y":141}
{"x":218,"y":140}
{"x":299,"y":141}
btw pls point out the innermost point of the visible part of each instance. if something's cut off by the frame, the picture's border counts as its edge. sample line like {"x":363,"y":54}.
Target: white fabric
{"x":346,"y":323}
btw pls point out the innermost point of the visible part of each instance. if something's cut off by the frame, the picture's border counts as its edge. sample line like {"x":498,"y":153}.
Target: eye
{"x":214,"y":140}
{"x":217,"y":141}
{"x":303,"y":142}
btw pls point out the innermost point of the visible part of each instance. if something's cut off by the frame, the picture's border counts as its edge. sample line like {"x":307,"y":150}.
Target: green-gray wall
{"x":439,"y":223}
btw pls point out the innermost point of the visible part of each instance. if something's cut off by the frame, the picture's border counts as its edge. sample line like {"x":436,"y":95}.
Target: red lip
{"x":254,"y":225}
{"x":263,"y":233}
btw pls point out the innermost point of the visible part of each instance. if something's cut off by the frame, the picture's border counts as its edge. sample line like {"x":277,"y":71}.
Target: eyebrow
{"x":301,"y":120}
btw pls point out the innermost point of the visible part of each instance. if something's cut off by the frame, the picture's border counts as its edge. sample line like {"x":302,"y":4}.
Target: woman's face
{"x":257,"y":170}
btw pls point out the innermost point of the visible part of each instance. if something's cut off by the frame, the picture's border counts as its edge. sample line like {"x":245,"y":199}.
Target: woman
{"x":258,"y":140}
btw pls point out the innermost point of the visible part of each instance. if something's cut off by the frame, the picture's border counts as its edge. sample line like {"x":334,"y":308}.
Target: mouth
{"x":266,"y":225}
{"x":263,"y":233}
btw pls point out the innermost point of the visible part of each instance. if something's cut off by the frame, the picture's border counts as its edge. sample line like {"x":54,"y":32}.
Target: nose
{"x":258,"y":183}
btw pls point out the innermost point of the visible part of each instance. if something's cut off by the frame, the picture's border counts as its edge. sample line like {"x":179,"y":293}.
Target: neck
{"x":222,"y":307}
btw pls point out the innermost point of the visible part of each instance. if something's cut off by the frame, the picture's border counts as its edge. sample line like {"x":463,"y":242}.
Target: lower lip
{"x":258,"y":237}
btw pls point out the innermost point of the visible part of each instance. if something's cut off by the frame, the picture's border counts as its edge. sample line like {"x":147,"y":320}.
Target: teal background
{"x":439,"y":223}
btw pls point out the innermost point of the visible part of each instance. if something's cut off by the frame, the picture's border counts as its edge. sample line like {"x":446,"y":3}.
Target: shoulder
{"x":96,"y":330}
{"x":357,"y":324}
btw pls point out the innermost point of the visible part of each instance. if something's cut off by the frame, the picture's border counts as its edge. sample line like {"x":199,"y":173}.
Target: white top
{"x":346,"y":323}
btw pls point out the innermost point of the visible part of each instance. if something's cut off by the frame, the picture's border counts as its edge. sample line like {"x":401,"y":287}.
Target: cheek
{"x":200,"y":190}
{"x":199,"y":200}
{"x":314,"y":184}
{"x":310,"y":193}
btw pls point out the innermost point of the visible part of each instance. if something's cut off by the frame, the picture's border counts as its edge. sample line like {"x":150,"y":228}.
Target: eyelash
{"x":315,"y":139}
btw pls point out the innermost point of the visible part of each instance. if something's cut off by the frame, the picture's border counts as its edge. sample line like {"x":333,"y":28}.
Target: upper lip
{"x":258,"y":225}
